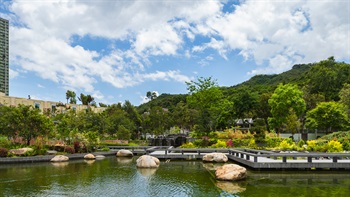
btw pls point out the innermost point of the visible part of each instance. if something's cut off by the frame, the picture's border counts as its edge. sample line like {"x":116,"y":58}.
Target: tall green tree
{"x":134,"y":116}
{"x":25,"y":121}
{"x":151,"y":95}
{"x":71,"y":96}
{"x":344,"y":95}
{"x":183,"y":116}
{"x":327,"y":78}
{"x":206,"y":97}
{"x":327,"y":116}
{"x":285,"y":99}
{"x":87,"y":99}
{"x":244,"y":103}
{"x":263,"y":109}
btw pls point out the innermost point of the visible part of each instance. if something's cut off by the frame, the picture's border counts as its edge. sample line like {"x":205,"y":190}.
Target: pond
{"x":120,"y":177}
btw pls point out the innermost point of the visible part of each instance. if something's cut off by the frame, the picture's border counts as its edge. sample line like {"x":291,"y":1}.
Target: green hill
{"x":325,"y":77}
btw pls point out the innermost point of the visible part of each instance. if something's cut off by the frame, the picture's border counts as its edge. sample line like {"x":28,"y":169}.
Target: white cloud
{"x":273,"y":32}
{"x":40,"y":86}
{"x":13,"y":73}
{"x":292,"y":32}
{"x":161,"y":40}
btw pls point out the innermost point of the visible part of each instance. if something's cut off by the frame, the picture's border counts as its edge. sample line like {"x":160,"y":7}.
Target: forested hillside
{"x":215,"y":108}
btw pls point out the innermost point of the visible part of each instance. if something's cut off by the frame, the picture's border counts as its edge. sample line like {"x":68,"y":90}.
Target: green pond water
{"x":120,"y":177}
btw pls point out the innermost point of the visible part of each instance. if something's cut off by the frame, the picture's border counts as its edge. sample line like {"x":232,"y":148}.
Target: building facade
{"x":4,"y":56}
{"x":46,"y":107}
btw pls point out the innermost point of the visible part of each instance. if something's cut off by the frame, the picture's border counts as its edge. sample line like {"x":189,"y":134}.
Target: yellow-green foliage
{"x":334,"y":146}
{"x":317,"y":145}
{"x":311,"y":145}
{"x":252,"y":143}
{"x":232,"y":134}
{"x":219,"y":144}
{"x":284,"y":145}
{"x":188,"y":145}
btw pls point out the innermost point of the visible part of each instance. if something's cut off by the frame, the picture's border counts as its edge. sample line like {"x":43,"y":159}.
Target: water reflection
{"x":230,"y":187}
{"x":147,"y":171}
{"x":60,"y":164}
{"x":212,"y":166}
{"x":90,"y":162}
{"x":124,"y":160}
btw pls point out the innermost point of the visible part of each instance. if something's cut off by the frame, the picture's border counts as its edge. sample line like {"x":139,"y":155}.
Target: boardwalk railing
{"x":247,"y":153}
{"x":139,"y":149}
{"x":268,"y":159}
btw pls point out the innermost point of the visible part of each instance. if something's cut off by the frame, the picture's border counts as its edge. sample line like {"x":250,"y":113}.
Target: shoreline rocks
{"x":89,"y":156}
{"x":20,"y":151}
{"x":59,"y":158}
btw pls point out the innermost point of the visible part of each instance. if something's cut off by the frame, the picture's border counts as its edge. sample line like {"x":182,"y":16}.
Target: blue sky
{"x":118,"y":50}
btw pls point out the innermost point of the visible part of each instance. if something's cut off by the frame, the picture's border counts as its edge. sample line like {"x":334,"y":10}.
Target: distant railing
{"x":139,"y":149}
{"x":247,"y":153}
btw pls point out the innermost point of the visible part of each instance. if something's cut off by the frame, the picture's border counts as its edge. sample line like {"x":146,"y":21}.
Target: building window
{"x":53,"y":108}
{"x":37,"y":105}
{"x":74,"y":108}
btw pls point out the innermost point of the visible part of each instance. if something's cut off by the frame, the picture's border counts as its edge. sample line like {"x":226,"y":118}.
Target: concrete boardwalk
{"x":264,"y":160}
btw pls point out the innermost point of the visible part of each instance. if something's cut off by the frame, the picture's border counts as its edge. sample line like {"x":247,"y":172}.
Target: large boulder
{"x":216,"y":157}
{"x":231,"y":172}
{"x":146,"y":161}
{"x":89,"y":156}
{"x":124,"y":153}
{"x":59,"y":158}
{"x":20,"y":151}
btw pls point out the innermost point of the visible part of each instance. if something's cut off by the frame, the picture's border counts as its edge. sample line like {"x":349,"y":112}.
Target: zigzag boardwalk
{"x":254,"y":159}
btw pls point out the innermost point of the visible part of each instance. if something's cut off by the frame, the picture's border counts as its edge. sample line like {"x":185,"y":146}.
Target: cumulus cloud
{"x":290,"y":32}
{"x":274,"y":34}
{"x":13,"y":73}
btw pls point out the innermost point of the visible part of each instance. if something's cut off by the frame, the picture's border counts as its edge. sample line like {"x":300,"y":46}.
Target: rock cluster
{"x":20,"y":151}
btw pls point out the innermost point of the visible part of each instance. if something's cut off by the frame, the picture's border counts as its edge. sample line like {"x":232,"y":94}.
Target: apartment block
{"x":4,"y":56}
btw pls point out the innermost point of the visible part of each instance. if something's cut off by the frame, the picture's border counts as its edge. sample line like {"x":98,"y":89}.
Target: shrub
{"x":252,"y":143}
{"x":273,"y":142}
{"x":346,"y":145}
{"x":30,"y":153}
{"x":132,"y":144}
{"x":285,"y":144}
{"x":229,"y":143}
{"x":316,"y":145}
{"x":69,"y":150}
{"x":301,"y":143}
{"x":188,"y":145}
{"x":105,"y":149}
{"x":4,"y":141}
{"x":77,"y":146}
{"x":219,"y":144}
{"x":334,"y":146}
{"x":3,"y":152}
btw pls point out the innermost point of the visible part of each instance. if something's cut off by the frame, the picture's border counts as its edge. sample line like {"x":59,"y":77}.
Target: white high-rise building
{"x":4,"y":56}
